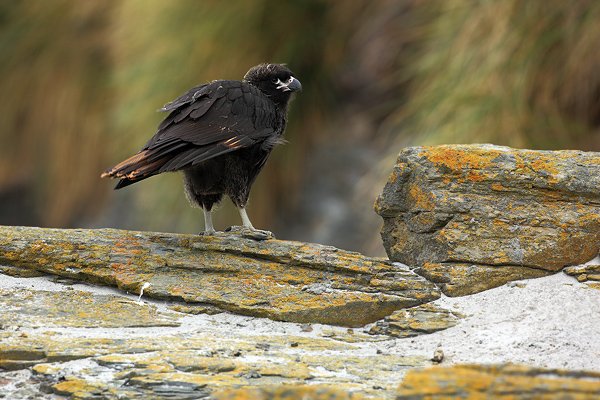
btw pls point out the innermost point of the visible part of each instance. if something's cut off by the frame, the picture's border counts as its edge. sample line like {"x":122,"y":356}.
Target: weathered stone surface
{"x":189,"y":366}
{"x":419,"y":320}
{"x":498,"y":382}
{"x":300,"y":392}
{"x":195,"y":356}
{"x":188,"y":357}
{"x":458,"y":279}
{"x":473,"y":217}
{"x":281,"y":280}
{"x":77,"y":309}
{"x":585,"y":273}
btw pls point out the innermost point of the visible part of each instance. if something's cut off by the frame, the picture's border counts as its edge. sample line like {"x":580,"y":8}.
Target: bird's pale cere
{"x":292,"y":84}
{"x":219,"y":135}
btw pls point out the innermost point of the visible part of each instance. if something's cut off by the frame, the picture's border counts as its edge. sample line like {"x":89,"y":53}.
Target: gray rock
{"x":473,"y":217}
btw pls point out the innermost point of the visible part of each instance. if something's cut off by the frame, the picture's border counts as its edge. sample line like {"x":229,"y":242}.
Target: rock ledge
{"x":281,"y":280}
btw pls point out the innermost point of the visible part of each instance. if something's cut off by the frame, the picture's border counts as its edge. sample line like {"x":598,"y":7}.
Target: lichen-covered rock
{"x":115,"y":347}
{"x":86,"y":342}
{"x":589,"y":274}
{"x":281,"y":280}
{"x":473,"y":217}
{"x":419,"y":320}
{"x":498,"y":382}
{"x":77,"y":309}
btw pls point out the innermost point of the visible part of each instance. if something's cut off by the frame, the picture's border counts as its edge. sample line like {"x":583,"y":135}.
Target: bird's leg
{"x":245,"y":220}
{"x":209,"y":229}
{"x":258,"y":234}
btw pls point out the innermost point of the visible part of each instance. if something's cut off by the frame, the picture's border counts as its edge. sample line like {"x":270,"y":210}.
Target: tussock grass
{"x":81,"y":81}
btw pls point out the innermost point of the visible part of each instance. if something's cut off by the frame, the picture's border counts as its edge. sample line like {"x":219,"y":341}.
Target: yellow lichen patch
{"x":539,"y":163}
{"x":420,"y":199}
{"x":77,"y":388}
{"x":457,"y":159}
{"x":547,"y":164}
{"x":498,"y":187}
{"x":594,"y":285}
{"x":46,"y":369}
{"x":444,"y":382}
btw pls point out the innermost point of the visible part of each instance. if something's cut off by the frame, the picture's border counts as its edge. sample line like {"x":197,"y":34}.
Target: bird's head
{"x":274,"y":80}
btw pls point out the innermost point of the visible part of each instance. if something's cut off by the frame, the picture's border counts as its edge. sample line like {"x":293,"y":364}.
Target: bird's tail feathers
{"x":136,"y":168}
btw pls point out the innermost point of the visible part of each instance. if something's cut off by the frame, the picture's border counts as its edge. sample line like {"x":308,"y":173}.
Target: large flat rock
{"x":281,"y":280}
{"x":473,"y":217}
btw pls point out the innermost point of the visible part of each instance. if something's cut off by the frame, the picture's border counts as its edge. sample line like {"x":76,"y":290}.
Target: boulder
{"x":281,"y":280}
{"x":473,"y":217}
{"x":498,"y":382}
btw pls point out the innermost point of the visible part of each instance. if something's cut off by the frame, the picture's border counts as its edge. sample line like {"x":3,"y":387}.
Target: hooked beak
{"x":293,"y":85}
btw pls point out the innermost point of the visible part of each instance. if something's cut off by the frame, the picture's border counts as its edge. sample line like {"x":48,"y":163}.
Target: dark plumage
{"x":220,"y":135}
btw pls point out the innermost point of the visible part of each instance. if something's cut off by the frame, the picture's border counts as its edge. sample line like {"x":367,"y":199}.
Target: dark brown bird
{"x":220,"y":135}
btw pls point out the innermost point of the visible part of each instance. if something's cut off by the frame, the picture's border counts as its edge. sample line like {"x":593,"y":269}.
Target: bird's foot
{"x":208,"y":232}
{"x":250,"y":233}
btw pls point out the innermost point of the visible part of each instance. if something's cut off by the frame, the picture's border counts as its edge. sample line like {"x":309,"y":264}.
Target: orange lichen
{"x":538,"y":163}
{"x":476,"y":176}
{"x":499,"y":187}
{"x":421,"y":200}
{"x":459,"y":159}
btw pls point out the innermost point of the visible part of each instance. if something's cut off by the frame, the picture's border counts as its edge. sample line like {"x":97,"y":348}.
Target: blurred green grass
{"x":81,"y":81}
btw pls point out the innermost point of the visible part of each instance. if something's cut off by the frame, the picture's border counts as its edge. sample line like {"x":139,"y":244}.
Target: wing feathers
{"x":206,"y":122}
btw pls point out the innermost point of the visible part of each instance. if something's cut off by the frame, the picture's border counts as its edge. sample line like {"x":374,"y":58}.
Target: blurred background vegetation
{"x":81,"y":80}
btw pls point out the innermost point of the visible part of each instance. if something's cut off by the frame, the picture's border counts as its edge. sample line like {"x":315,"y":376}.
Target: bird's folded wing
{"x":206,"y":122}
